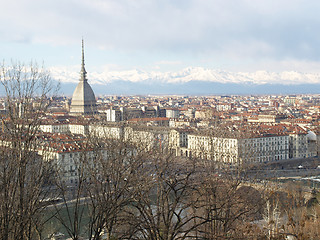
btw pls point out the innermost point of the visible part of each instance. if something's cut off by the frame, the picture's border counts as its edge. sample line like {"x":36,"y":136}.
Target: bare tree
{"x":224,"y":206}
{"x":71,"y":210}
{"x":106,"y":173}
{"x":23,"y":174}
{"x":112,"y":185}
{"x":163,"y":204}
{"x":223,"y":209}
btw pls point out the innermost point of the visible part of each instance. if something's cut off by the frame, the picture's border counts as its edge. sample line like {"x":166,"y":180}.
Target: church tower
{"x":83,"y":100}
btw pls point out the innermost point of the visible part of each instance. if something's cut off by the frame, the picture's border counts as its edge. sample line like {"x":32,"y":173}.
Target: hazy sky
{"x":164,"y":35}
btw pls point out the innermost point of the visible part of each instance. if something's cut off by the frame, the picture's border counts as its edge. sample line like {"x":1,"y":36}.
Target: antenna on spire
{"x":83,"y":70}
{"x":82,"y":53}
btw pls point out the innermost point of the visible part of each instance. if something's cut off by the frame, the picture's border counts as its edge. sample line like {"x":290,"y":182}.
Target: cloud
{"x":189,"y":74}
{"x":238,"y":30}
{"x":168,"y":62}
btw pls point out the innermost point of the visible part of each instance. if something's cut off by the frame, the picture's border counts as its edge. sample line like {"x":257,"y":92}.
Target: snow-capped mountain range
{"x":193,"y":80}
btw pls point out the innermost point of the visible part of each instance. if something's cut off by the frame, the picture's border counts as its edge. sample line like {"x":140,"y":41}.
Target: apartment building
{"x":108,"y":131}
{"x":303,"y":144}
{"x":239,"y":149}
{"x":255,"y":143}
{"x":172,"y":113}
{"x":54,"y":127}
{"x":178,"y":141}
{"x":147,"y":137}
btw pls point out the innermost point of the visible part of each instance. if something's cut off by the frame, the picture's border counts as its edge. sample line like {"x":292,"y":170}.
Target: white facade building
{"x":108,"y":132}
{"x":55,"y":128}
{"x":113,"y":115}
{"x":239,"y":150}
{"x":172,"y":113}
{"x":148,"y":138}
{"x":79,"y":129}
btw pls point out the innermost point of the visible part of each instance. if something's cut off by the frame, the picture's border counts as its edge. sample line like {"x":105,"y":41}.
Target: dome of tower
{"x":83,"y":94}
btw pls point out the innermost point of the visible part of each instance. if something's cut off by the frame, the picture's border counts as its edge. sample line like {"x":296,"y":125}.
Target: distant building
{"x":113,"y":115}
{"x":172,"y":113}
{"x":83,"y":99}
{"x":303,"y":144}
{"x":148,"y":138}
{"x":271,"y":118}
{"x":130,"y":113}
{"x":178,"y":141}
{"x":224,"y":107}
{"x":159,"y":121}
{"x":67,"y":154}
{"x":110,"y":131}
{"x":124,"y":113}
{"x":290,"y":100}
{"x":239,"y":149}
{"x":54,"y":127}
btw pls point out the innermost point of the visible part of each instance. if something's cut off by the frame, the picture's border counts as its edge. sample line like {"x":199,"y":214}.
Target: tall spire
{"x":83,"y":99}
{"x":83,"y":73}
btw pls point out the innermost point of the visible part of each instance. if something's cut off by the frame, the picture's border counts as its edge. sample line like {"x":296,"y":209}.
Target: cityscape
{"x":88,"y":152}
{"x":160,"y":120}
